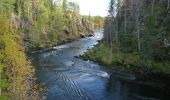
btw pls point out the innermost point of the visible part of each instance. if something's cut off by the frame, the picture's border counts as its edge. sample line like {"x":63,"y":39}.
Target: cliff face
{"x":72,"y":27}
{"x":45,"y":23}
{"x":77,"y":27}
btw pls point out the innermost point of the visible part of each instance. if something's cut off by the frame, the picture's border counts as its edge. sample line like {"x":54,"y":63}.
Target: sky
{"x":94,"y":7}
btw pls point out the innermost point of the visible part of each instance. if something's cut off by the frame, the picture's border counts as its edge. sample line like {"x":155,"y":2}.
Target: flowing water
{"x":69,"y":78}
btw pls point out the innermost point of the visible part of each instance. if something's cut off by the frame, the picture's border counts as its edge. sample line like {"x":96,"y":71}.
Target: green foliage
{"x":1,"y":68}
{"x":45,"y":23}
{"x":64,"y":5}
{"x":16,"y":73}
{"x":127,"y":61}
{"x":1,"y":56}
{"x":98,"y":22}
{"x":3,"y":98}
{"x":7,"y":6}
{"x":4,"y":84}
{"x":149,"y":31}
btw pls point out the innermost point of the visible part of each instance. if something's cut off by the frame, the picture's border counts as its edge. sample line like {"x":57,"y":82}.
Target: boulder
{"x":82,"y":35}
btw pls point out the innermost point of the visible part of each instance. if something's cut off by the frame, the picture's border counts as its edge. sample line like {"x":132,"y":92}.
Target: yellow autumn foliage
{"x":18,"y":71}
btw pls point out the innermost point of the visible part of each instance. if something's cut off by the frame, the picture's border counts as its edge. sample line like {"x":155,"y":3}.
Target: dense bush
{"x":17,"y":76}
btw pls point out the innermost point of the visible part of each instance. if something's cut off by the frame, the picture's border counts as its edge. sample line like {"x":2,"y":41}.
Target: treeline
{"x":141,"y":27}
{"x":98,"y":22}
{"x":47,"y":22}
{"x":136,"y":33}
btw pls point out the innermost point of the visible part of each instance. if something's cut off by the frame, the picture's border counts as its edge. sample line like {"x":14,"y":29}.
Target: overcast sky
{"x":94,"y":7}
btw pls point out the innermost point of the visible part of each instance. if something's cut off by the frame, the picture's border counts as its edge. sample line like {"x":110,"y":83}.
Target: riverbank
{"x":149,"y":71}
{"x":50,"y":47}
{"x":46,"y":48}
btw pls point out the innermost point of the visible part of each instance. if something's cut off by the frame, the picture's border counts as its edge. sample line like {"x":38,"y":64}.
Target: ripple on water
{"x":60,"y":47}
{"x":103,"y":74}
{"x":69,"y":63}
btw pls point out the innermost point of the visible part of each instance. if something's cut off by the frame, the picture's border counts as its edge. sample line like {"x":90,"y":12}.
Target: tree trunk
{"x":153,"y":4}
{"x":125,"y":21}
{"x":168,"y":4}
{"x":116,"y":32}
{"x":138,"y":27}
{"x":110,"y":31}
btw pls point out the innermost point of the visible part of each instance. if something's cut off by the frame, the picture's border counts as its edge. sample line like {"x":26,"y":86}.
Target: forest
{"x":136,"y":35}
{"x":136,"y":41}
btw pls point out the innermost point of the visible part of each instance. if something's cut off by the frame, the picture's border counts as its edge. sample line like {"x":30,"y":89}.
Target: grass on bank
{"x":127,"y":61}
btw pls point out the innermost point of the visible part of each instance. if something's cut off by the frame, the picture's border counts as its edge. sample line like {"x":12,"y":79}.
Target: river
{"x":67,"y":77}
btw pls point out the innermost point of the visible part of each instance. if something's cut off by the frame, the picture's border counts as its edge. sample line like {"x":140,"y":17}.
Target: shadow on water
{"x":123,"y":89}
{"x":70,"y":78}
